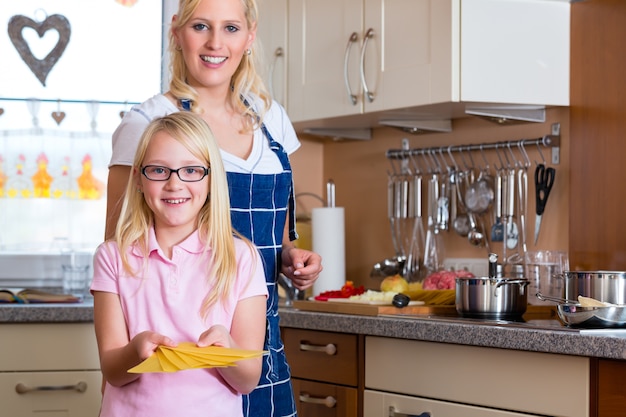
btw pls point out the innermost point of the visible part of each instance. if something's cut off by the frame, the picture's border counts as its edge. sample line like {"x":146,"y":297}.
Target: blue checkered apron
{"x":260,"y":204}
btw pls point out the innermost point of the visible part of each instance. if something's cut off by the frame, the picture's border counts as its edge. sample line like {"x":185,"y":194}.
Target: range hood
{"x":508,"y":114}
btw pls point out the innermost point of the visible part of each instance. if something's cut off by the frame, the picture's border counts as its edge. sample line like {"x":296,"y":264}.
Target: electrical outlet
{"x":477,"y":266}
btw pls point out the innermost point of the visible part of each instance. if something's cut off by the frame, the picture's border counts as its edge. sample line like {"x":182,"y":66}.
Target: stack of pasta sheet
{"x":189,"y":356}
{"x":432,"y":297}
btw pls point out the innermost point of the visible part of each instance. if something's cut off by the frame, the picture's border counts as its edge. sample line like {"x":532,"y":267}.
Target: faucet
{"x":292,"y":292}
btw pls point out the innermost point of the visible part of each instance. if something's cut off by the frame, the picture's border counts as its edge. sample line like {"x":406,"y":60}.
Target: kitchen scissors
{"x":544,"y":180}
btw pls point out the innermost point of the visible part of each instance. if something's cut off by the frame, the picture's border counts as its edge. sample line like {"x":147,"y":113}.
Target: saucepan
{"x":491,"y":297}
{"x":573,"y":314}
{"x":607,"y":286}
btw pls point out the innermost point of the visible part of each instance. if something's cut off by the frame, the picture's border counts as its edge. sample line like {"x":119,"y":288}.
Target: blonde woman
{"x":177,"y":272}
{"x":213,"y":74}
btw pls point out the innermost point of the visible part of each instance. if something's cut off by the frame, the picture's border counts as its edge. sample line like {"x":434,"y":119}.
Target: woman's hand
{"x":301,"y":266}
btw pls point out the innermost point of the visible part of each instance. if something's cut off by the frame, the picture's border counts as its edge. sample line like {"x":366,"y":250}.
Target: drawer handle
{"x":330,"y":349}
{"x":23,"y":389}
{"x":328,"y":401}
{"x":394,"y":413}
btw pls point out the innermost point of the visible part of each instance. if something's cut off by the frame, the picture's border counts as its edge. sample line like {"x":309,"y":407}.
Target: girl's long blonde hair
{"x":245,"y":82}
{"x":214,"y":224}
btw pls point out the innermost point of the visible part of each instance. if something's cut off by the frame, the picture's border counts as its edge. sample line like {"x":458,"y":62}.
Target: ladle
{"x":388,"y":267}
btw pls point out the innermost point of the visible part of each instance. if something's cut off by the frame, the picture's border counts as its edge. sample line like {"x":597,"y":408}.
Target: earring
{"x":178,"y":48}
{"x":139,"y":191}
{"x":248,"y":52}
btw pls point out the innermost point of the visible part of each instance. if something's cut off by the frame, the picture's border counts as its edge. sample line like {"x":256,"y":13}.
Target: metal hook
{"x":433,"y":155}
{"x":429,"y":167}
{"x":456,"y":166}
{"x":416,"y":167}
{"x":482,"y":154}
{"x":445,"y":162}
{"x":527,"y":162}
{"x":515,"y":161}
{"x":467,"y":168}
{"x":543,"y":160}
{"x":501,"y":167}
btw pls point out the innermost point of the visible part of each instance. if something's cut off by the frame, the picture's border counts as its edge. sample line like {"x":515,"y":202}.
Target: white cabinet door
{"x":515,"y":51}
{"x":358,"y":56}
{"x":399,"y":56}
{"x":319,"y":36}
{"x":272,"y":38}
{"x":379,"y":404}
{"x":50,"y":394}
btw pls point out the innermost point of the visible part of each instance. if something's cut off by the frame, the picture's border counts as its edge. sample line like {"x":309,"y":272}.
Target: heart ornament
{"x":58,"y":116}
{"x":40,"y":67}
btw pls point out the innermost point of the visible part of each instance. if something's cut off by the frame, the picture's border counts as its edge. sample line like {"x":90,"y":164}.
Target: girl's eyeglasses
{"x":186,"y":174}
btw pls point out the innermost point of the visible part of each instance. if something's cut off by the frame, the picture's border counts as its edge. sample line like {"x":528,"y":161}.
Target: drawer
{"x":531,"y":382}
{"x":317,"y":399}
{"x":322,"y":356}
{"x":56,"y":395}
{"x":378,"y":404}
{"x":48,"y":347}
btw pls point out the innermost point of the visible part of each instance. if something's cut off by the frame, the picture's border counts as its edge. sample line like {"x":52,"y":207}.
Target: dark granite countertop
{"x":548,"y":336}
{"x":47,"y":313}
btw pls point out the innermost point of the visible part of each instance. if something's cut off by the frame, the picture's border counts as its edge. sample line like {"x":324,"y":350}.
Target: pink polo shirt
{"x":166,"y":298}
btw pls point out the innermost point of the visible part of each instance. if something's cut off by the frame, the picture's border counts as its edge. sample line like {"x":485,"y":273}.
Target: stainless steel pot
{"x":608,"y":286}
{"x":491,"y":297}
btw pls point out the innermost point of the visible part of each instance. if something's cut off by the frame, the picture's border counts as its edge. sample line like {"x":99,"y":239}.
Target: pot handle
{"x":523,"y":282}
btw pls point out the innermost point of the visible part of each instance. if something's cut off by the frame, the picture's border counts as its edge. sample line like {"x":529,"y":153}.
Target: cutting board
{"x":532,"y":312}
{"x":371,"y":309}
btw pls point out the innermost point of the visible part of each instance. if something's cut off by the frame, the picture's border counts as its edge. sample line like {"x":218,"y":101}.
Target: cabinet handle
{"x":330,"y":349}
{"x":366,"y":91}
{"x":394,"y":413}
{"x":24,"y":389}
{"x":353,"y":38}
{"x":328,"y":401}
{"x":277,"y":54}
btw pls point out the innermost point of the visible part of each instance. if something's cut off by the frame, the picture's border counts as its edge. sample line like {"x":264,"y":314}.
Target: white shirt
{"x":262,"y":160}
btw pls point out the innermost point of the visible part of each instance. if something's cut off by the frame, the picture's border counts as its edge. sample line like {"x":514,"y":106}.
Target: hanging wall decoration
{"x":58,"y":115}
{"x":40,"y":67}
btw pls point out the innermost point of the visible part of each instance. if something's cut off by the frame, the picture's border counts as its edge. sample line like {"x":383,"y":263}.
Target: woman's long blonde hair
{"x":214,"y":224}
{"x":245,"y":82}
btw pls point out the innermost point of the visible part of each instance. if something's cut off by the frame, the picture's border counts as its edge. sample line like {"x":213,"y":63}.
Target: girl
{"x":174,"y":273}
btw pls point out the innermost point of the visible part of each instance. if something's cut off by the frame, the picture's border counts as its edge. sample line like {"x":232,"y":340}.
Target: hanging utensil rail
{"x":548,"y":141}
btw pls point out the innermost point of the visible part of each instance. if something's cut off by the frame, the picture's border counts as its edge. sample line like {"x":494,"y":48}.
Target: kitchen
{"x":577,"y":218}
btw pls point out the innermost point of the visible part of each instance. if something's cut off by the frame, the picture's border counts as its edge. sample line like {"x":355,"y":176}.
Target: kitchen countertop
{"x":548,"y":336}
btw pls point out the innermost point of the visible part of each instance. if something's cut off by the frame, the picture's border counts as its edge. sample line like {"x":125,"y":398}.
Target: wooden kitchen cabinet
{"x":272,"y":34}
{"x":417,"y":377}
{"x":611,"y":389}
{"x":424,"y":52}
{"x":327,"y":372}
{"x":49,"y":370}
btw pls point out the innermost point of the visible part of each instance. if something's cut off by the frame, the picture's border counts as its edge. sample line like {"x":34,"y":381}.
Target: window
{"x":69,"y":69}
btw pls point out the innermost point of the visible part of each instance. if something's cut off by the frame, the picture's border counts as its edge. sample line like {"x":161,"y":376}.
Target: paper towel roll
{"x":328,"y":236}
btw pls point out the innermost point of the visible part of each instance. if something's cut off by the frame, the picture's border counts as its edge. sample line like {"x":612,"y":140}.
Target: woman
{"x":214,"y":75}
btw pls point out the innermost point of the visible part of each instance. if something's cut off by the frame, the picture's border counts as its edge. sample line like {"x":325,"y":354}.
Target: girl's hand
{"x":217,"y":335}
{"x":146,"y":343}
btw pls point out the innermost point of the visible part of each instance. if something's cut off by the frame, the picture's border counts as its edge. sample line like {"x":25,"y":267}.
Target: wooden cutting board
{"x":532,"y":312}
{"x":371,"y":310}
